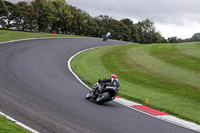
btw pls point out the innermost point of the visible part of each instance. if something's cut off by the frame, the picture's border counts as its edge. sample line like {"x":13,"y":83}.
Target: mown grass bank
{"x":8,"y":35}
{"x":7,"y":126}
{"x":167,"y":74}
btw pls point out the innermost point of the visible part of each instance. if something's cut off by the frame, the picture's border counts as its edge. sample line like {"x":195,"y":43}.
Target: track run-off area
{"x":37,"y":89}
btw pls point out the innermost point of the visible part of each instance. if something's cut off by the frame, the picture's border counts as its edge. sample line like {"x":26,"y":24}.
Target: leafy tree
{"x":9,"y":17}
{"x":26,"y":16}
{"x":3,"y":13}
{"x":146,"y":31}
{"x":14,"y":15}
{"x":31,"y":18}
{"x":133,"y":28}
{"x":123,"y":31}
{"x":74,"y":22}
{"x":84,"y":23}
{"x":93,"y":28}
{"x":196,"y":37}
{"x":175,"y":40}
{"x":44,"y":20}
{"x":62,"y":16}
{"x":172,"y":39}
{"x":127,"y":21}
{"x":117,"y":29}
{"x":49,"y":15}
{"x":23,"y":5}
{"x":158,"y":38}
{"x":102,"y":30}
{"x":105,"y":23}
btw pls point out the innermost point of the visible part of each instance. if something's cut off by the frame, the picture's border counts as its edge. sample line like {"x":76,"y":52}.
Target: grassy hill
{"x":167,"y":74}
{"x":8,"y":35}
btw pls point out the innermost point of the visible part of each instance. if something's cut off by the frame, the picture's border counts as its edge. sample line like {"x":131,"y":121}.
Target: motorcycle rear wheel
{"x":103,"y":98}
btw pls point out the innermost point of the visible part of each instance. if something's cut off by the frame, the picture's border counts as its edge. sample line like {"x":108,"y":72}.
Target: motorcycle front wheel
{"x":88,"y":96}
{"x":103,"y":98}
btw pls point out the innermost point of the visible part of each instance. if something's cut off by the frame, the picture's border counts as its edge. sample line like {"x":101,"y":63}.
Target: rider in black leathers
{"x":112,"y":81}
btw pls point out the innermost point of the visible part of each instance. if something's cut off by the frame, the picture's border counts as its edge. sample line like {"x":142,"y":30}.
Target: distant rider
{"x":105,"y":37}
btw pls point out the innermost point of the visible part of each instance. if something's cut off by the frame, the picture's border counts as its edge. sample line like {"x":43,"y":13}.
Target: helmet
{"x":113,"y":76}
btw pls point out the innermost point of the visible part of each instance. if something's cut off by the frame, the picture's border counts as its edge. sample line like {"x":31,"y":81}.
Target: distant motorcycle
{"x":105,"y":38}
{"x":108,"y":94}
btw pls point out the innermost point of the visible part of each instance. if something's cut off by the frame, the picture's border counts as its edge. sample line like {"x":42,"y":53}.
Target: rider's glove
{"x":99,"y":81}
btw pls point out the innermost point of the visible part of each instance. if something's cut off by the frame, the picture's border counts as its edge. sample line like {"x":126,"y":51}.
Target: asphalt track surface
{"x":37,"y":89}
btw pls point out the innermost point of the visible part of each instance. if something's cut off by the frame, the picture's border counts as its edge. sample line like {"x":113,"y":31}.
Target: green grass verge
{"x":7,"y":126}
{"x":8,"y":35}
{"x":167,"y":74}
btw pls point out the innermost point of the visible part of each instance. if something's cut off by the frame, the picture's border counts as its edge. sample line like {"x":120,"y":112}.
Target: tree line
{"x":58,"y":16}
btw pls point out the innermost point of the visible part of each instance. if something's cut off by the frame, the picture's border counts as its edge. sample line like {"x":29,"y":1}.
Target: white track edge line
{"x":19,"y":123}
{"x":167,"y":118}
{"x":69,"y":67}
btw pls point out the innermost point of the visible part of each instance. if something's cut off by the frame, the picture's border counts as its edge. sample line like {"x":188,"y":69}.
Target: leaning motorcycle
{"x":105,"y":38}
{"x":100,"y":97}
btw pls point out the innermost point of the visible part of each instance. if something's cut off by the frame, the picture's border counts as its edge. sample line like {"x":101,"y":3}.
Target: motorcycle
{"x":100,"y":97}
{"x":105,"y":38}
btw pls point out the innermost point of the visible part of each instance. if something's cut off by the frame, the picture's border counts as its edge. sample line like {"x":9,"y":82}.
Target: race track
{"x":37,"y":89}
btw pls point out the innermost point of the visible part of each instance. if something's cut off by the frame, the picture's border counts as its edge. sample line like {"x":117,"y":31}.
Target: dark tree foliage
{"x":134,"y":37}
{"x":147,"y":32}
{"x":196,"y":37}
{"x":3,"y":14}
{"x":44,"y":19}
{"x":57,"y":15}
